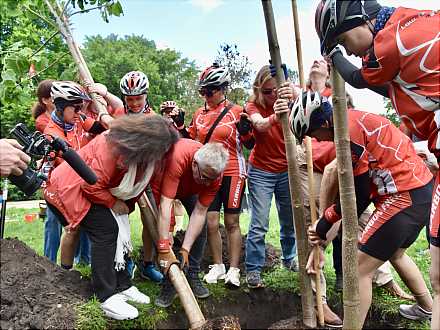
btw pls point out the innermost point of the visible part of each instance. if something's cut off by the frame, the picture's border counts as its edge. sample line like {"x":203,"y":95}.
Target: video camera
{"x":36,"y":145}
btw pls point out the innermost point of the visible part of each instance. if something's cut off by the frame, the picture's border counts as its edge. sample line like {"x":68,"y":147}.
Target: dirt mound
{"x":273,"y":255}
{"x":36,"y":293}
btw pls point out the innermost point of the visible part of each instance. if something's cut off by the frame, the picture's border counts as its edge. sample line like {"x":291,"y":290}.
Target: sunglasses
{"x":203,"y":177}
{"x":268,"y":91}
{"x":77,"y":107}
{"x":207,"y":91}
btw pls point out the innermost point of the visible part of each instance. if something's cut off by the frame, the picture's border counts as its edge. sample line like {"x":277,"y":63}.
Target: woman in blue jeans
{"x":267,"y":176}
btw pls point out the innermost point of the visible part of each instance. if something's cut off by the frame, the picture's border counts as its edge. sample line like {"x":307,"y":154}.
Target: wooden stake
{"x":186,"y":296}
{"x":309,"y":319}
{"x":308,"y":144}
{"x":348,"y":204}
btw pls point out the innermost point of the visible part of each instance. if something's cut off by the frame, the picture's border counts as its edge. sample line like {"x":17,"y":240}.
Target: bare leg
{"x":214,"y":237}
{"x":435,"y":283}
{"x":367,"y":267}
{"x":147,"y":241}
{"x":69,"y":242}
{"x":232,"y":223}
{"x":410,"y":274}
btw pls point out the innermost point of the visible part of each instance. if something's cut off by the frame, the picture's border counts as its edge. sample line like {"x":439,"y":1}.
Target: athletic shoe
{"x":291,"y":265}
{"x":414,"y":312}
{"x":131,"y":268}
{"x":197,"y":287}
{"x":166,"y":295}
{"x":149,"y":271}
{"x":133,"y":294}
{"x":216,"y":272}
{"x":117,"y":308}
{"x":254,"y":280}
{"x":233,"y":277}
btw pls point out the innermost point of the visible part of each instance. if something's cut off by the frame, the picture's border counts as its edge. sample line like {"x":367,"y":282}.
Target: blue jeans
{"x":262,"y":185}
{"x":52,"y":237}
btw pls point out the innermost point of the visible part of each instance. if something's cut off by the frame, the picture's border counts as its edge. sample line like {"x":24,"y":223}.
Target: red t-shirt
{"x":323,"y":153}
{"x":225,"y":133}
{"x":175,"y":178}
{"x":42,"y":121}
{"x":406,"y":55}
{"x":382,"y":149}
{"x":269,"y":152}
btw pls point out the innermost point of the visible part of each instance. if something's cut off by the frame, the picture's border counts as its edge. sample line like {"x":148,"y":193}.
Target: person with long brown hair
{"x":123,"y":159}
{"x":42,"y":109}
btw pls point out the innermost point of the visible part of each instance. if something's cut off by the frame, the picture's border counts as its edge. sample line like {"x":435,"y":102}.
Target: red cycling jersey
{"x":175,"y":180}
{"x":382,"y":149}
{"x":407,"y":56}
{"x":225,"y":133}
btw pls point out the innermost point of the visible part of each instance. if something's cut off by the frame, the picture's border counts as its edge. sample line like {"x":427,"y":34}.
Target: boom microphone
{"x":80,"y":167}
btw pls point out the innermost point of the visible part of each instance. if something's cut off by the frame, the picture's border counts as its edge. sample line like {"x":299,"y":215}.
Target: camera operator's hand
{"x":120,"y":207}
{"x":12,"y":159}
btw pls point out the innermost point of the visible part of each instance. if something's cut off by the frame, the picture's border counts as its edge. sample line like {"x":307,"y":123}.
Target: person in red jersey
{"x":192,"y":173}
{"x":219,"y":120}
{"x":123,"y":159}
{"x":401,"y":60}
{"x":42,"y":109}
{"x":387,"y":172}
{"x":134,"y":87}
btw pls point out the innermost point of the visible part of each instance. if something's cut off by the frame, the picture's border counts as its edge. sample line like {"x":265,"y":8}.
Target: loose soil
{"x":35,"y":293}
{"x":38,"y":294}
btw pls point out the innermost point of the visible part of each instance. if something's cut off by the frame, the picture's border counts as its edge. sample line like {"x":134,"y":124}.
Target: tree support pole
{"x":309,"y":319}
{"x":308,"y":144}
{"x":348,"y":205}
{"x":63,"y":26}
{"x":186,"y":296}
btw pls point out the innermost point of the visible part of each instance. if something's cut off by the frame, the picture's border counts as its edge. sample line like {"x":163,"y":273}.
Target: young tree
{"x":240,"y":70}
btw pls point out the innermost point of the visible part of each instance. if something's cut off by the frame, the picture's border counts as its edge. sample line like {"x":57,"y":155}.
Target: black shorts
{"x":230,"y":195}
{"x":396,"y":222}
{"x":434,"y":224}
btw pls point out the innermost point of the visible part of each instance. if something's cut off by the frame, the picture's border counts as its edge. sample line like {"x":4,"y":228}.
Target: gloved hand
{"x":244,"y":125}
{"x":273,"y":70}
{"x":167,"y":106}
{"x":183,"y":258}
{"x":165,"y":256}
{"x":324,"y":224}
{"x":179,"y":119}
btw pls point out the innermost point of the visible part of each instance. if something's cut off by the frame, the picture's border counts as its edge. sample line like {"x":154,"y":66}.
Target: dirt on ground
{"x":35,"y":293}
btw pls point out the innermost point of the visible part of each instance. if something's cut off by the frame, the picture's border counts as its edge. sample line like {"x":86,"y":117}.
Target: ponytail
{"x":43,"y":92}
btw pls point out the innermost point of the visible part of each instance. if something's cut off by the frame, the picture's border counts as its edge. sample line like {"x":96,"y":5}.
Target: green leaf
{"x":9,"y":75}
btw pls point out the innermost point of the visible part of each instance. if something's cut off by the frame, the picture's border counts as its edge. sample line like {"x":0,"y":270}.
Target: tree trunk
{"x":309,"y":319}
{"x":308,"y":145}
{"x":348,"y":205}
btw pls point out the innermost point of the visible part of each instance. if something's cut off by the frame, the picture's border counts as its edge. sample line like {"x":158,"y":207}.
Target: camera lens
{"x":28,"y":182}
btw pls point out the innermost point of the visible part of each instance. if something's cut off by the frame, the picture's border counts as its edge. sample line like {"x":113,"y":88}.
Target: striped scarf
{"x":65,"y":126}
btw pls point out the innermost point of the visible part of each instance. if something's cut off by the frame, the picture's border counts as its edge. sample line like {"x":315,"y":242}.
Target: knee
{"x":212,"y":225}
{"x":232,"y":226}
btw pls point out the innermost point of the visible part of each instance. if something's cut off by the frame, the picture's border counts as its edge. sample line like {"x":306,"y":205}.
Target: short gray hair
{"x":212,"y":155}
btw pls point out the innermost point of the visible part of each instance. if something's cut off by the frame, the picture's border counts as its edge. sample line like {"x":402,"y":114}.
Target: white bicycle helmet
{"x":134,"y":83}
{"x":308,"y":112}
{"x":214,"y":76}
{"x":68,"y":91}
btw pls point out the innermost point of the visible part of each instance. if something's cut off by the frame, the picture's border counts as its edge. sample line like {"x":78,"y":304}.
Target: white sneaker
{"x":133,"y":294}
{"x":117,"y":308}
{"x":217,"y":272}
{"x":233,"y":277}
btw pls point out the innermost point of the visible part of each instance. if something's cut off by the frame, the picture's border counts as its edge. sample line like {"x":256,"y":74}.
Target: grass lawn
{"x":91,"y":317}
